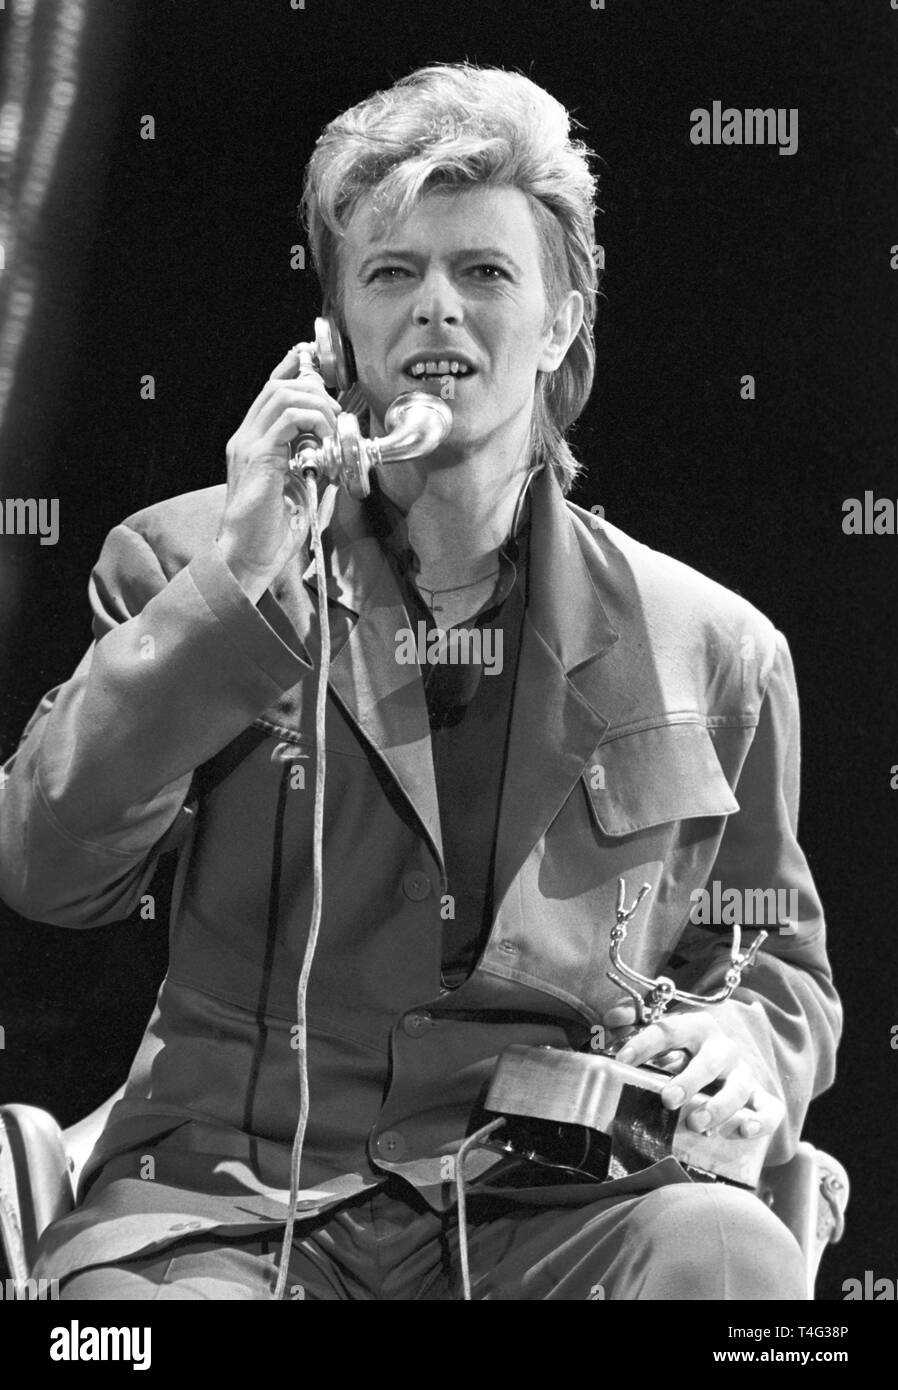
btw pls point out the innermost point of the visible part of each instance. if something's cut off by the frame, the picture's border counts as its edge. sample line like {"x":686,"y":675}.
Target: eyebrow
{"x":484,"y":252}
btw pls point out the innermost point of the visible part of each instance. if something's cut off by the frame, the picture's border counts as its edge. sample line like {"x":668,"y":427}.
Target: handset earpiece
{"x":332,"y":357}
{"x":336,"y":360}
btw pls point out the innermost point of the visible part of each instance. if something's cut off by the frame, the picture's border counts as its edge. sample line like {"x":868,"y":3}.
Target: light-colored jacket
{"x":654,"y":736}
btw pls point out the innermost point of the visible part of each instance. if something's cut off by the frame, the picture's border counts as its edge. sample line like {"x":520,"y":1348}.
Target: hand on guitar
{"x":714,"y":1056}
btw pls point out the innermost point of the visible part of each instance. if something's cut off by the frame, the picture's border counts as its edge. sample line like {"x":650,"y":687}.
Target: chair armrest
{"x":35,"y":1187}
{"x":810,"y":1194}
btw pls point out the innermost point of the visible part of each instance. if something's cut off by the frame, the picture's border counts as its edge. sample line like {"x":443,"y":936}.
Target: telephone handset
{"x":330,"y":355}
{"x":416,"y":422}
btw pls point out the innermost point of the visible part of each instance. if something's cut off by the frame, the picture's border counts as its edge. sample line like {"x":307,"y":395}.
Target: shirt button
{"x":186,"y":1226}
{"x":390,"y":1145}
{"x":416,"y":1024}
{"x":416,"y":886}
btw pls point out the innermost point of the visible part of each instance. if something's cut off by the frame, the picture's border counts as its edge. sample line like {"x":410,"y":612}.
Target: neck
{"x":458,"y":513}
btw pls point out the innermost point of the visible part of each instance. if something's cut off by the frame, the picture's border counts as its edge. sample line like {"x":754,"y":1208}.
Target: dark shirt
{"x":470,"y":717}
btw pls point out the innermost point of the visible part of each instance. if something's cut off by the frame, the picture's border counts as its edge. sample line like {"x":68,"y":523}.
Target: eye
{"x":497,"y":268}
{"x":386,"y":271}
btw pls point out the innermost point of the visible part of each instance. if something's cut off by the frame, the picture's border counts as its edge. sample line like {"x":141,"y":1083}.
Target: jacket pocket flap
{"x":667,"y":773}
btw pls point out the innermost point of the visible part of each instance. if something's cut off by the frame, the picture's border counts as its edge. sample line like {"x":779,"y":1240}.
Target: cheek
{"x":517,"y":359}
{"x":519,"y":338}
{"x":371,"y":332}
{"x":359,"y":316}
{"x":362,"y":331}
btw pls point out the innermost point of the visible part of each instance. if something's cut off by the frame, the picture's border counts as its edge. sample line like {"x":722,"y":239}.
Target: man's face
{"x":458,"y":279}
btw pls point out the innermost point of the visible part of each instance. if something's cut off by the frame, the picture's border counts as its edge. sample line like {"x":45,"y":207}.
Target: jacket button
{"x":416,"y":1024}
{"x":390,"y":1145}
{"x":416,"y":886}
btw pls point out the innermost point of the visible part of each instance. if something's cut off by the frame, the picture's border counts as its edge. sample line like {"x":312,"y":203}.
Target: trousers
{"x":683,"y":1241}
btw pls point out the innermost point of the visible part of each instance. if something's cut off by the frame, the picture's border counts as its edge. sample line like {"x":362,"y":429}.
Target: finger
{"x":673,"y":1061}
{"x":688,"y":1029}
{"x":708,"y":1113}
{"x":290,"y":422}
{"x":288,"y":365}
{"x":299,"y":401}
{"x":291,"y":366}
{"x":324,"y":420}
{"x":715,"y":1057}
{"x":286,"y":373}
{"x":277,"y":395}
{"x":643,"y":1045}
{"x":766,"y":1111}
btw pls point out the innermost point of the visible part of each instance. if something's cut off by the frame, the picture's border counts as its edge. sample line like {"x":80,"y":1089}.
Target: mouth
{"x":423,"y":369}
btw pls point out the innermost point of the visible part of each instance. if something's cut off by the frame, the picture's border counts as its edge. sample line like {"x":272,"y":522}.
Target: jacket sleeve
{"x":179,"y":666}
{"x":785,"y":1016}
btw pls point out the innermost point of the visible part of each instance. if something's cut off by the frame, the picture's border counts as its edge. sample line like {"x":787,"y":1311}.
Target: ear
{"x":561,"y":332}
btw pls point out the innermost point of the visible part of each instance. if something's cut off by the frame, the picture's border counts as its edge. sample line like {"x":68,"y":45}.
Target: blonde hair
{"x":447,"y":126}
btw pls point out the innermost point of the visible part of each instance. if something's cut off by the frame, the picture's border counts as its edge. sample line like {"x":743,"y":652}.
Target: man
{"x":641,"y":723}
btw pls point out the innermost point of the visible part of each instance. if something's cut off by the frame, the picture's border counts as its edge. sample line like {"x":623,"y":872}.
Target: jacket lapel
{"x":384,"y":698}
{"x":562,"y":704}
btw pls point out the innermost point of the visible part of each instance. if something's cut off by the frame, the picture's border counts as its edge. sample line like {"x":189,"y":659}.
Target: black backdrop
{"x":172,"y":257}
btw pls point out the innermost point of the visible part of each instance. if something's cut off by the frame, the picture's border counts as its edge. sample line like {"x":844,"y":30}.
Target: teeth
{"x":442,"y":368}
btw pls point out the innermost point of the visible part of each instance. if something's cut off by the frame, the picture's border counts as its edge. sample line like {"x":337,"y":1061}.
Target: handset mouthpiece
{"x":416,"y":424}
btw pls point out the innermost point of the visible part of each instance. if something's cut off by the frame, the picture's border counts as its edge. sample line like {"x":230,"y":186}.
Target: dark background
{"x":172,"y":257}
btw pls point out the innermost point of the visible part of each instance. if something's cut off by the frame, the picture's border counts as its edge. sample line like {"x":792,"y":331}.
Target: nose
{"x":437,"y":301}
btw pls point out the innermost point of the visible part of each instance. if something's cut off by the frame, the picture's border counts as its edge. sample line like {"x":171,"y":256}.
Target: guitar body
{"x":595,"y":1117}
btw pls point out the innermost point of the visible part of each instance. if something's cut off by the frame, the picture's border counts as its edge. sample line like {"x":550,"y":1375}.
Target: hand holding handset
{"x":296,"y":429}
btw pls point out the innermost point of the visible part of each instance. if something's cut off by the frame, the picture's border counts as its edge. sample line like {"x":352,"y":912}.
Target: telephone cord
{"x":461,"y":1194}
{"x":312,"y":942}
{"x":317,"y":895}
